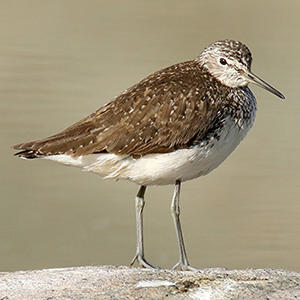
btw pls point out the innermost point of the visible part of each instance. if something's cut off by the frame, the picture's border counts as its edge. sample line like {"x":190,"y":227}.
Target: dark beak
{"x":252,"y":78}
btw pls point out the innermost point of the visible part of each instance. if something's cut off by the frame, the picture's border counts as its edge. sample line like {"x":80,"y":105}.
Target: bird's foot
{"x":186,"y":267}
{"x":142,"y":262}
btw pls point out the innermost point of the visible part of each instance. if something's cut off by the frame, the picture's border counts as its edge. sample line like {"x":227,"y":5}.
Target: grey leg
{"x":183,"y":262}
{"x":139,"y":206}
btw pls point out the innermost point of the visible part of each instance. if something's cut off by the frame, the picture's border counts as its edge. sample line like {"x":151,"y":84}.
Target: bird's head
{"x":230,"y":62}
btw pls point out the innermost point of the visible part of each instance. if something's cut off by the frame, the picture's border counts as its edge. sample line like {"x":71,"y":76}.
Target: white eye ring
{"x":223,"y":61}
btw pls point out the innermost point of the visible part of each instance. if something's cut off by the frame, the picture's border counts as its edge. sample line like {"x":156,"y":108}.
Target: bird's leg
{"x":183,"y":262}
{"x":139,"y":206}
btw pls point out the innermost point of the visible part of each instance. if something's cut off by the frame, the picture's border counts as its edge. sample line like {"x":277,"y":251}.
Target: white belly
{"x":165,"y":168}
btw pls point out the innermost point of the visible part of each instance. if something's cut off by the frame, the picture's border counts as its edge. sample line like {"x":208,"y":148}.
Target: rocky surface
{"x":109,"y":282}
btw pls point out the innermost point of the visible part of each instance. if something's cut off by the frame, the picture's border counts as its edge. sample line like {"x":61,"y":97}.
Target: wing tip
{"x":25,"y":151}
{"x":28,"y":154}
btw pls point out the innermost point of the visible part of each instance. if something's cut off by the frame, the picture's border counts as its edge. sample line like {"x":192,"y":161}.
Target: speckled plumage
{"x":175,"y":125}
{"x":171,"y":109}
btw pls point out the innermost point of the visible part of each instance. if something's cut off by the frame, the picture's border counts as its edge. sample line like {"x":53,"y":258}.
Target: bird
{"x":175,"y":125}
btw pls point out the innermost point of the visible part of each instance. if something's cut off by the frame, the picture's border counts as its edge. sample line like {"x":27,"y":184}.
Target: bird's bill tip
{"x":252,"y":78}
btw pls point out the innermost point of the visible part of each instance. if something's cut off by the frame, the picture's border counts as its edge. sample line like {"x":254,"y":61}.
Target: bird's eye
{"x":223,"y":61}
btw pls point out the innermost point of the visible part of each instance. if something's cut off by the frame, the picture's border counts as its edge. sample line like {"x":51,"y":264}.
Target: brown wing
{"x":165,"y":111}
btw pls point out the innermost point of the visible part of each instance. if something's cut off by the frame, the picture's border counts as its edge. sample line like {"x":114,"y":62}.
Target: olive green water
{"x":61,"y":60}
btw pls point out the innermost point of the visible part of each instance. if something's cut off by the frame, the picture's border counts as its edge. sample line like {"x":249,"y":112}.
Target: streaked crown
{"x":228,"y":61}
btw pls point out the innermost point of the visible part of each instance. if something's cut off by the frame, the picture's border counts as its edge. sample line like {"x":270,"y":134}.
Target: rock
{"x":109,"y":282}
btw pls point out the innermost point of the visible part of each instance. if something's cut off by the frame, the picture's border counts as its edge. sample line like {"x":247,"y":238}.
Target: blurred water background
{"x":60,"y":60}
